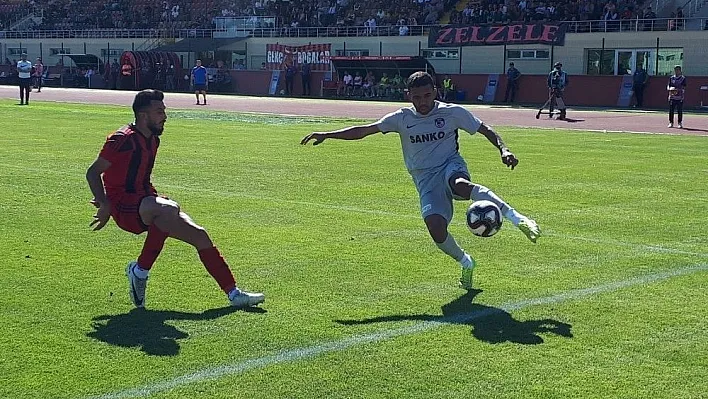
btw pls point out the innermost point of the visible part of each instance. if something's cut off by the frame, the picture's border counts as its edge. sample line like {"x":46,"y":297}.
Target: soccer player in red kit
{"x":126,"y":193}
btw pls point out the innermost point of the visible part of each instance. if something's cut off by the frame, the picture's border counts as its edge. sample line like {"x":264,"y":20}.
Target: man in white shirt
{"x":24,"y":72}
{"x":429,"y":133}
{"x":348,"y":83}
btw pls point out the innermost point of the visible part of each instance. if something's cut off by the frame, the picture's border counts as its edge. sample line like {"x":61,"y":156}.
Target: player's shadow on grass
{"x":148,"y":329}
{"x":489,"y":324}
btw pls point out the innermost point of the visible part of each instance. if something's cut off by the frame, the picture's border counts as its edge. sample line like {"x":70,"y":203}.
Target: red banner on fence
{"x":279,"y":55}
{"x":455,"y":36}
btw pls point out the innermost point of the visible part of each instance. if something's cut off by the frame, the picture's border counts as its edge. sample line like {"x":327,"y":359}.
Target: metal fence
{"x":633,"y":25}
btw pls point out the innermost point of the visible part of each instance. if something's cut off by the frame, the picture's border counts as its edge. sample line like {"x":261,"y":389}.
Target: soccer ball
{"x":484,"y":218}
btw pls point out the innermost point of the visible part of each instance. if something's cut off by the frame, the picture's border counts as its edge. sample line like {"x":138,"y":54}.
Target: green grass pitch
{"x":332,"y":235}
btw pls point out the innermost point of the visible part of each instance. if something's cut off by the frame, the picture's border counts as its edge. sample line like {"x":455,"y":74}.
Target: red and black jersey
{"x":132,"y":157}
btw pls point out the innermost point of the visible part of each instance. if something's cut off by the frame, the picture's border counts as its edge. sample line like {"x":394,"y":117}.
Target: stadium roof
{"x":194,"y":44}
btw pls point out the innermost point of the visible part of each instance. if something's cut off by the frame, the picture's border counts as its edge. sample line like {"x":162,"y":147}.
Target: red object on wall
{"x":278,"y":55}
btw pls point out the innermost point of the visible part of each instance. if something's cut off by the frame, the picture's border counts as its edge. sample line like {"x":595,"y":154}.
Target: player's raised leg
{"x":166,"y":215}
{"x":464,"y":188}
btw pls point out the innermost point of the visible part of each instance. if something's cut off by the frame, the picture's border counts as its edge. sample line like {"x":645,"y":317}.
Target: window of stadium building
{"x":438,"y":54}
{"x":59,"y":50}
{"x":625,"y":61}
{"x":668,"y":59}
{"x":113,"y":52}
{"x":527,"y":54}
{"x":16,"y":50}
{"x":352,"y":53}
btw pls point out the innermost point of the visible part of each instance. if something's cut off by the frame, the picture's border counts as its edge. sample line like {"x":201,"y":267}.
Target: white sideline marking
{"x":644,"y":247}
{"x":296,"y":354}
{"x":649,"y":248}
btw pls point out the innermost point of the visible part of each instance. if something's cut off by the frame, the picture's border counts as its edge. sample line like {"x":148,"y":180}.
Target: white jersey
{"x":428,"y":141}
{"x":25,"y":69}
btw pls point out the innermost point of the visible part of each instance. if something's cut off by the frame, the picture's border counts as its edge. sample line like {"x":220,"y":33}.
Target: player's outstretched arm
{"x":100,"y":201}
{"x":507,"y":156}
{"x":350,"y":133}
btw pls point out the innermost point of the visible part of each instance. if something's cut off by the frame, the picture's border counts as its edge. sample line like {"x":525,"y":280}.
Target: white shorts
{"x":435,"y":189}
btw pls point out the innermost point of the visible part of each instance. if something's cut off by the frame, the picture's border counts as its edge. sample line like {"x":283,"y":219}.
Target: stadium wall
{"x":50,"y":49}
{"x":490,"y":59}
{"x":591,"y":91}
{"x":469,"y":71}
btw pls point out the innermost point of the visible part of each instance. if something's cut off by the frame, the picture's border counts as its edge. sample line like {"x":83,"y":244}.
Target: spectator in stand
{"x":679,"y":19}
{"x":358,"y":83}
{"x":348,"y":83}
{"x":384,"y":85}
{"x":649,"y":16}
{"x":369,"y":85}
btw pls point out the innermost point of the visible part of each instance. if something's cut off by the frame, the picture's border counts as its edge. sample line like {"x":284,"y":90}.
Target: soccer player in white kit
{"x":429,"y":141}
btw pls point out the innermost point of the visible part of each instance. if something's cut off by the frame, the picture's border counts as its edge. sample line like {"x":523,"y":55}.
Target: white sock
{"x":514,"y":216}
{"x":140,"y":273}
{"x":450,"y":247}
{"x":234,"y":293}
{"x":467,"y":262}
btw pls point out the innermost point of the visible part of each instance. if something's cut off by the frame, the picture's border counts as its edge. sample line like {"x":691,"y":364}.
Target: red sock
{"x":217,"y":267}
{"x":154,"y":242}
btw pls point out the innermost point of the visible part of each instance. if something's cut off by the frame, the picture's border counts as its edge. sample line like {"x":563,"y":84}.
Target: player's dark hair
{"x":145,"y":98}
{"x":419,"y":79}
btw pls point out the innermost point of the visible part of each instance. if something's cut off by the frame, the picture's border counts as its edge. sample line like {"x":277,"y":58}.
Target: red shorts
{"x":125,"y":210}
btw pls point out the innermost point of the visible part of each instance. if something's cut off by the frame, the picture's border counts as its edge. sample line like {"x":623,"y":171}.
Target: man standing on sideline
{"x":557,"y":81}
{"x":24,"y":72}
{"x":640,"y":80}
{"x":448,"y":88}
{"x":120,"y":181}
{"x":305,"y":73}
{"x":127,"y":81}
{"x":200,"y":81}
{"x":430,"y":143}
{"x":677,"y":91}
{"x":512,"y":83}
{"x":38,"y":72}
{"x":290,"y":71}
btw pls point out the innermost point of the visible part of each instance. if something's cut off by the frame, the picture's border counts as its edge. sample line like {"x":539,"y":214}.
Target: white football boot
{"x":136,"y":285}
{"x":245,"y":299}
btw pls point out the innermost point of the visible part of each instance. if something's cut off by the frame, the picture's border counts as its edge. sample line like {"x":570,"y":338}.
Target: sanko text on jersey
{"x":422,"y":138}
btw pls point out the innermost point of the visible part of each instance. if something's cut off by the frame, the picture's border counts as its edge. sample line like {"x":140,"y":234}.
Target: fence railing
{"x":108,"y":34}
{"x":627,"y":25}
{"x":637,"y":25}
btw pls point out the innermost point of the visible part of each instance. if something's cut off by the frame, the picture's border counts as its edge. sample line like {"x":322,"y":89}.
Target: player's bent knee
{"x":437,"y":227}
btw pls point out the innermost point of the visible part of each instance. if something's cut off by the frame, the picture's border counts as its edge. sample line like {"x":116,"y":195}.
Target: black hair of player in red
{"x":145,"y":98}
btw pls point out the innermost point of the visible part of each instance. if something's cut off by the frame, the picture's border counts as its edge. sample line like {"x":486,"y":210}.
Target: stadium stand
{"x":341,"y":17}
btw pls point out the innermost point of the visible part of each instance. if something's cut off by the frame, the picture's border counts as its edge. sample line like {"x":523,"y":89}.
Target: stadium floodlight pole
{"x":602,"y":57}
{"x":656,"y":69}
{"x":504,"y":61}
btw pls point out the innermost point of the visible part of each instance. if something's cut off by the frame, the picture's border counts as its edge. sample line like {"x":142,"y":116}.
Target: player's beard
{"x":156,"y":129}
{"x":424,"y":108}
